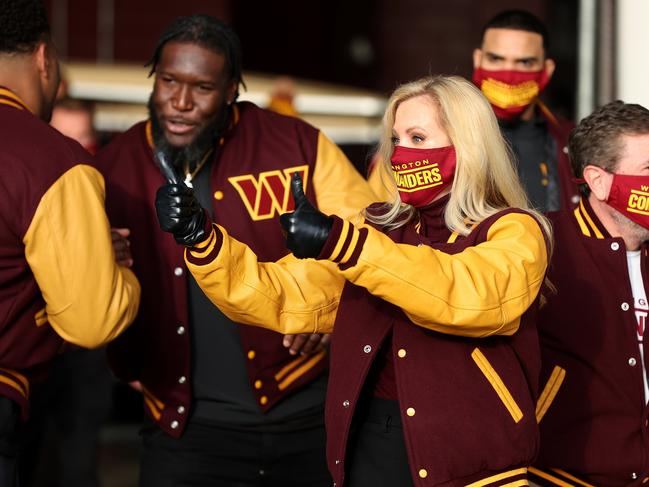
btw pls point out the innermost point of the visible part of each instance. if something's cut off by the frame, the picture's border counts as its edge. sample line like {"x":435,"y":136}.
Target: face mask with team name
{"x":422,"y":174}
{"x":510,"y":92}
{"x":630,"y":196}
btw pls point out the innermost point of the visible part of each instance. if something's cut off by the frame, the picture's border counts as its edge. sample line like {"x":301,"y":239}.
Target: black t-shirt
{"x":221,"y":386}
{"x":535,"y":154}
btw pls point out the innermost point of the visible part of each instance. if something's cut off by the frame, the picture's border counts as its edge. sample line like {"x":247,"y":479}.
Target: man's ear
{"x":599,"y":181}
{"x":477,"y":58}
{"x":42,"y":59}
{"x":549,"y":66}
{"x":231,"y":92}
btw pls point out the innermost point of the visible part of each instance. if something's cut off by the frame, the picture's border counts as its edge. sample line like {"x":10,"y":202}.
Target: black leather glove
{"x":180,"y":213}
{"x":306,"y":228}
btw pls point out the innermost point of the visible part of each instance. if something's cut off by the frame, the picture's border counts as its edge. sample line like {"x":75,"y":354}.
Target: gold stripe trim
{"x":290,"y":366}
{"x":40,"y":318}
{"x":158,"y":402}
{"x":200,"y":246}
{"x":11,"y":104}
{"x":12,"y":383}
{"x":205,"y":251}
{"x":341,"y":240}
{"x":500,"y":476}
{"x":23,"y":380}
{"x":551,"y":478}
{"x":571,"y":477}
{"x":156,"y":414}
{"x":550,"y":391}
{"x":497,"y":383}
{"x":518,"y":483}
{"x":10,"y":94}
{"x":149,"y":135}
{"x":598,"y":234}
{"x":303,"y":369}
{"x":582,"y":224}
{"x":453,"y":237}
{"x":352,"y":245}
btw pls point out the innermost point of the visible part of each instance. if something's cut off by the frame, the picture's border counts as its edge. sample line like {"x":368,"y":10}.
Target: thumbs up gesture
{"x":178,"y":210}
{"x":306,"y":228}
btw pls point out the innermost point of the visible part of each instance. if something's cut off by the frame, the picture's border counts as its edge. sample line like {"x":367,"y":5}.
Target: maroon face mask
{"x":422,"y":174}
{"x":630,"y":196}
{"x":510,"y":92}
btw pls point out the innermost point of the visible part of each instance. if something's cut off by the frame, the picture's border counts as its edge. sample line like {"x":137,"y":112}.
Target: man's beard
{"x":192,"y":153}
{"x":635,"y":229}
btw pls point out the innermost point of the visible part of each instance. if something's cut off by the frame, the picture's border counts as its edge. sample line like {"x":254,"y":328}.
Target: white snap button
{"x":181,"y":410}
{"x":174,"y":425}
{"x":180,"y":330}
{"x":178,"y":271}
{"x":367,"y":349}
{"x":182,"y":379}
{"x":615,"y":246}
{"x":625,"y":306}
{"x":345,"y":403}
{"x":632,"y":362}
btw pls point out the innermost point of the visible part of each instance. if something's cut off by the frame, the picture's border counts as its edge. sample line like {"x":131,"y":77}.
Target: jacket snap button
{"x":625,"y":306}
{"x":174,"y":425}
{"x":367,"y":349}
{"x":632,"y":362}
{"x":180,"y":330}
{"x":634,"y":475}
{"x":410,"y":412}
{"x":345,"y":403}
{"x":615,"y":246}
{"x":182,"y":379}
{"x":401,"y":353}
{"x":181,"y":409}
{"x":178,"y":271}
{"x":423,"y":473}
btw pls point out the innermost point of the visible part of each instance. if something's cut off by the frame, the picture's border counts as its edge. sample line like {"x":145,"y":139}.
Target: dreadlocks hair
{"x":519,"y":20}
{"x":207,"y":32}
{"x":23,"y":25}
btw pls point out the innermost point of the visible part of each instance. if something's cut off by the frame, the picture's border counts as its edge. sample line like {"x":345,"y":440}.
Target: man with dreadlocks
{"x":58,"y":276}
{"x":226,"y":405}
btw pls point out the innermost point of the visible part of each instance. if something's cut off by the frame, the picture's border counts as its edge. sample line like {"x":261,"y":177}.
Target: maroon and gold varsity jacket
{"x":59,"y":277}
{"x":593,"y":416}
{"x":250,"y":178}
{"x":461,"y":313}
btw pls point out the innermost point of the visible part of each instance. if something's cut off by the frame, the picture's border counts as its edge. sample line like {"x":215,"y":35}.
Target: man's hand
{"x":306,"y":228}
{"x":180,"y":213}
{"x":122,"y":246}
{"x":306,"y":343}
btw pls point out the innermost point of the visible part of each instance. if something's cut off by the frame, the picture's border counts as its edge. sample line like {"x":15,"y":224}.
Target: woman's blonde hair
{"x":485,"y":179}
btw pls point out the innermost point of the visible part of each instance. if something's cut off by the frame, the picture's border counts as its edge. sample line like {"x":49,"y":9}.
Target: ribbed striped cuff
{"x":344,"y":244}
{"x":206,"y":251}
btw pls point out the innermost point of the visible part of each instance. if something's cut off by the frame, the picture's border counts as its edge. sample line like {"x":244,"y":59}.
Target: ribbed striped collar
{"x":8,"y":97}
{"x":588,"y":222}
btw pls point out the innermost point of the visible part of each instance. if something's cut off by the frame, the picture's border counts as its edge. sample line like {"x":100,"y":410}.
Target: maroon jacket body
{"x":52,"y":217}
{"x":457,"y":430}
{"x":250,"y":178}
{"x":593,"y":415}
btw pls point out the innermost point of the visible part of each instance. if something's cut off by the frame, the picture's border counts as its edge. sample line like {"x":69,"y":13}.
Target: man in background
{"x":512,"y":67}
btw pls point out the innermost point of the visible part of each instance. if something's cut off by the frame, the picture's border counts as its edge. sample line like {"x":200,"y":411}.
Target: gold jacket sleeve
{"x":89,"y":299}
{"x":287,"y":296}
{"x":338,"y":186}
{"x":481,"y":291}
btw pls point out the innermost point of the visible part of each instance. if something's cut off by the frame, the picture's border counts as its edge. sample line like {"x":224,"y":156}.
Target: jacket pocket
{"x":497,"y":383}
{"x":549,"y":392}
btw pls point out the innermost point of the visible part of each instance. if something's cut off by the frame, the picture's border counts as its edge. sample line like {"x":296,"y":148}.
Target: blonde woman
{"x":432,"y":299}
